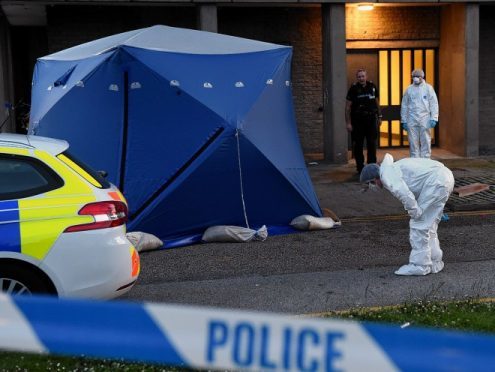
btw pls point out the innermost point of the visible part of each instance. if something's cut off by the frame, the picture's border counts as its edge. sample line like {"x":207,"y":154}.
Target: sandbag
{"x":306,"y":222}
{"x":143,"y":241}
{"x":232,"y":234}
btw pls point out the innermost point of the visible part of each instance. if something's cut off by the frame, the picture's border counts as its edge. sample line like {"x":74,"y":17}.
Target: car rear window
{"x":85,"y":171}
{"x":23,"y":176}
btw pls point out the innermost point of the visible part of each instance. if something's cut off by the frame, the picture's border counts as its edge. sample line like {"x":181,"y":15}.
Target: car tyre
{"x":18,"y":279}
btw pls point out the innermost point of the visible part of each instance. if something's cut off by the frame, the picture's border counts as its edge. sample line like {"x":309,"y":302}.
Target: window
{"x":93,"y":177}
{"x":22,"y":176}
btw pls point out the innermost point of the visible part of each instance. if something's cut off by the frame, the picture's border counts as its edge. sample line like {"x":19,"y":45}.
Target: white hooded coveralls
{"x":419,"y":106}
{"x":423,"y":186}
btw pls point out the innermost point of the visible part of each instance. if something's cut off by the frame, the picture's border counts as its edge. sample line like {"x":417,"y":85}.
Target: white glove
{"x":415,"y":213}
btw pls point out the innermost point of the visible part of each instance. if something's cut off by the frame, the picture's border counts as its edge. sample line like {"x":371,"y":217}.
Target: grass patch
{"x":29,"y":362}
{"x":469,"y":315}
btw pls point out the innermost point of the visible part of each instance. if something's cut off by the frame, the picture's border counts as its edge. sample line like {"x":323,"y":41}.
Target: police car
{"x":62,"y":225}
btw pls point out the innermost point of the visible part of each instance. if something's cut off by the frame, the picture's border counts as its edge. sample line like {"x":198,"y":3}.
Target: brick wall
{"x":487,"y":81}
{"x":301,"y":29}
{"x":73,"y":25}
{"x":393,"y":23}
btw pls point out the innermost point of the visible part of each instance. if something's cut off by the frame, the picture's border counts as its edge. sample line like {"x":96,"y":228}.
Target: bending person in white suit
{"x":419,"y":113}
{"x":423,"y":186}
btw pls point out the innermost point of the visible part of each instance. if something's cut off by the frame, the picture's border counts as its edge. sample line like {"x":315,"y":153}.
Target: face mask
{"x":373,"y":187}
{"x":370,"y":186}
{"x":416,"y":80}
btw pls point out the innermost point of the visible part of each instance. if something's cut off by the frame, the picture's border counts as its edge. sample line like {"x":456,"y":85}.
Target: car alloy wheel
{"x":13,"y":287}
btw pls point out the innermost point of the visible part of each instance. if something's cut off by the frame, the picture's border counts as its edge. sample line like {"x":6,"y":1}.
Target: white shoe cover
{"x":411,"y":269}
{"x":436,"y":267}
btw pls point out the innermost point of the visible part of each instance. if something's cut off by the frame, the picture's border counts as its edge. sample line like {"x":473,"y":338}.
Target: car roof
{"x":51,"y":145}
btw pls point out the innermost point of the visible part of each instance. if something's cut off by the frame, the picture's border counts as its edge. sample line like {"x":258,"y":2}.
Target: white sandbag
{"x":144,"y":241}
{"x":306,"y":222}
{"x":233,"y":234}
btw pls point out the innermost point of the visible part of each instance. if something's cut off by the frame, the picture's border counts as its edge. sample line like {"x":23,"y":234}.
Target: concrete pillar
{"x":7,"y":122}
{"x":207,"y":17}
{"x":459,"y":79}
{"x":472,"y":40}
{"x":334,"y":82}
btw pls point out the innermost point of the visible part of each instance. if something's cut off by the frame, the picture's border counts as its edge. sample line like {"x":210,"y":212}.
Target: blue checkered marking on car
{"x":10,"y":233}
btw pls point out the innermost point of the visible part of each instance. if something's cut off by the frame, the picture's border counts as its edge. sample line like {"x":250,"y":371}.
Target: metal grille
{"x":483,"y":200}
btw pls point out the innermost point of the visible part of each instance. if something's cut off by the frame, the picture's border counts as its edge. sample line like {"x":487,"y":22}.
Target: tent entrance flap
{"x":180,"y":171}
{"x":168,"y":129}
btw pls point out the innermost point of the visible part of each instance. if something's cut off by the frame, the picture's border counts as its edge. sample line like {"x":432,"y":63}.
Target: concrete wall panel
{"x":452,"y":69}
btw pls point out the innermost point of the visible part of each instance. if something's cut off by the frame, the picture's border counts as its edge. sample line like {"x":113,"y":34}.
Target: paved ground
{"x":334,"y":269}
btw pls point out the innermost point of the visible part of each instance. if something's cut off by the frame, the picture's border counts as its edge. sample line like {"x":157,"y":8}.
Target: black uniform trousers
{"x":364,"y":127}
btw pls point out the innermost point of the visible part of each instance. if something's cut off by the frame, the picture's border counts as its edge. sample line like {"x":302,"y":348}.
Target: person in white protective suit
{"x":419,"y":113}
{"x":423,"y":186}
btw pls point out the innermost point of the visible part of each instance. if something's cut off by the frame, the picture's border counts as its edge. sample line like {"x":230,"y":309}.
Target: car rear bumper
{"x":93,"y":264}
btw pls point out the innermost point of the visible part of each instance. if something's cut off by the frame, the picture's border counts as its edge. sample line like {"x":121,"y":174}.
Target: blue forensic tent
{"x":196,"y":128}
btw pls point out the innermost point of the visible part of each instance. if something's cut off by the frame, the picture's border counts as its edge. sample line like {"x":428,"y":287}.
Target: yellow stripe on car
{"x":46,"y":216}
{"x":15,"y":151}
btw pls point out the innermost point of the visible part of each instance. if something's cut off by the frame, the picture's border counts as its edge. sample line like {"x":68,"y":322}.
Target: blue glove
{"x":404,"y":125}
{"x":433,"y":123}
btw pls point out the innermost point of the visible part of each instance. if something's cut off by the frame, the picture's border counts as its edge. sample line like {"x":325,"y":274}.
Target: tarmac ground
{"x":346,"y":267}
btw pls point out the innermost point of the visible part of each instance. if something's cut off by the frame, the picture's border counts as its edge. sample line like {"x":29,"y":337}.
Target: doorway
{"x":395,"y":67}
{"x":390,"y":70}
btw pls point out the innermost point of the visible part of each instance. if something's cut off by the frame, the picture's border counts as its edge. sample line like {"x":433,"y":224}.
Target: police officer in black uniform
{"x":362,"y":116}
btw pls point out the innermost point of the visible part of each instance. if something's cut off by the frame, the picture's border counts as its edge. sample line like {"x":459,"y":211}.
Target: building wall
{"x":301,"y":29}
{"x":28,"y":44}
{"x":393,"y":23}
{"x":72,"y":25}
{"x":6,"y":87}
{"x":487,"y":81}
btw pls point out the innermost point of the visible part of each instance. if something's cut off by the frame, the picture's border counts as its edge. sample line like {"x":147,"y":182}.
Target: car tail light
{"x":106,"y":214}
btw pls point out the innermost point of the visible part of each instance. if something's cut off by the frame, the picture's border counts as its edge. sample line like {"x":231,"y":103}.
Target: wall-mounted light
{"x":365,"y":6}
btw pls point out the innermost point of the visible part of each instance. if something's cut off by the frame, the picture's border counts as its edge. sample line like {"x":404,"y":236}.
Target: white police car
{"x":62,"y":225}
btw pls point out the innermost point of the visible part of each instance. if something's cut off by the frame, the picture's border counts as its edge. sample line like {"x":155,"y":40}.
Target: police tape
{"x":207,"y":338}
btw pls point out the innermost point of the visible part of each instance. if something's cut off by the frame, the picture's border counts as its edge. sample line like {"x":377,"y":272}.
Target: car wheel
{"x":20,"y":280}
